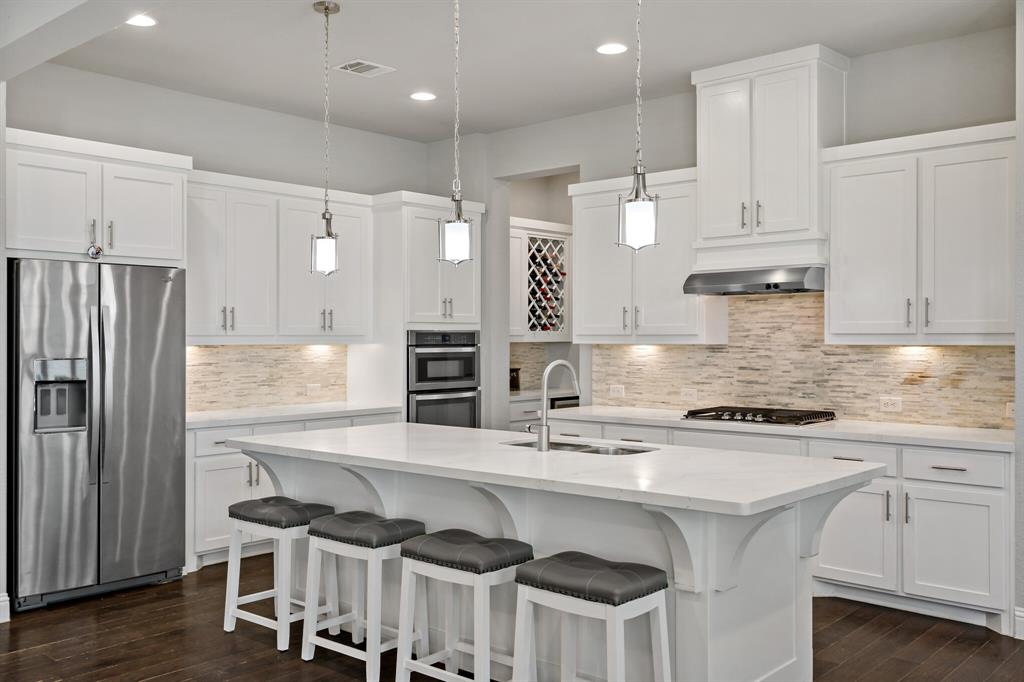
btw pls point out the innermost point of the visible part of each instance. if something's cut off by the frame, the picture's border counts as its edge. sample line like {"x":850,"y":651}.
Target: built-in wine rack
{"x":546,"y":284}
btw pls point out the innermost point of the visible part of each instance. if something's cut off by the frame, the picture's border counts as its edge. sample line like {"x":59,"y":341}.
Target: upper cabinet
{"x":539,"y":280}
{"x":760,"y":126}
{"x":624,"y":297}
{"x":922,"y":239}
{"x":66,"y":195}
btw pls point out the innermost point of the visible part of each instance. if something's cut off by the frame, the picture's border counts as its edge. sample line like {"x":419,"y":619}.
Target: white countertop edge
{"x":285,"y":413}
{"x":535,"y":394}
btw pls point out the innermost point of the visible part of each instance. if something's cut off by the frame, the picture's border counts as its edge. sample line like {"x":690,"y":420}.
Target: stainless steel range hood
{"x":791,"y":280}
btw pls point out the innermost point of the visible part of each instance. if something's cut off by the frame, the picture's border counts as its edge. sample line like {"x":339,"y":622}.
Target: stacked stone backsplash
{"x":777,"y":357}
{"x":224,"y":377}
{"x":531,"y":358}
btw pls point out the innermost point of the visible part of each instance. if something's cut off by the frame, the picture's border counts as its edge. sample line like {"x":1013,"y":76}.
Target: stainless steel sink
{"x":585,"y":448}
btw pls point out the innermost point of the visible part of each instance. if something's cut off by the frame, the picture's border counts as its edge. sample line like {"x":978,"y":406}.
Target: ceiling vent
{"x":366,"y":69}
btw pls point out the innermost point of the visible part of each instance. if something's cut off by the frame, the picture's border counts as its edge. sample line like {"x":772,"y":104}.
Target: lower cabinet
{"x":860,"y":541}
{"x":222,"y":480}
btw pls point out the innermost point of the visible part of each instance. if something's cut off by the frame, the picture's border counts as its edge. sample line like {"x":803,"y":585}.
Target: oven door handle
{"x":446,"y":396}
{"x":446,"y":349}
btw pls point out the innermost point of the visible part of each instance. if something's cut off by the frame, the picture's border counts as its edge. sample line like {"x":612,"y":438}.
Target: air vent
{"x":366,"y":69}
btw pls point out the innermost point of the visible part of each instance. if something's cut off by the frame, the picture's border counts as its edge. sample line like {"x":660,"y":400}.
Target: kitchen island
{"x":735,"y":531}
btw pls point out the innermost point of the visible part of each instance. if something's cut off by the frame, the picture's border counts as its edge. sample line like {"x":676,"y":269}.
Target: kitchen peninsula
{"x":736,"y":531}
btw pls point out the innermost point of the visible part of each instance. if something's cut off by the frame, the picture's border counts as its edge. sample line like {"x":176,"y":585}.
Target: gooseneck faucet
{"x":543,"y":430}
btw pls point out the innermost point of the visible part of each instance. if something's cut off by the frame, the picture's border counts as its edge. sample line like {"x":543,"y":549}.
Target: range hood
{"x":791,"y":280}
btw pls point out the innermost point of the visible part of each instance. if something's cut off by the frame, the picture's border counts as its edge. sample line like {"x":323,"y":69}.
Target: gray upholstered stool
{"x":368,"y":539}
{"x":455,"y":557}
{"x":283,"y":520}
{"x":579,"y":584}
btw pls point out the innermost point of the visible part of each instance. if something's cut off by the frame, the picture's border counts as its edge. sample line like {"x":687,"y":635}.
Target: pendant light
{"x":455,"y":234}
{"x":324,"y":250}
{"x":638,"y":211}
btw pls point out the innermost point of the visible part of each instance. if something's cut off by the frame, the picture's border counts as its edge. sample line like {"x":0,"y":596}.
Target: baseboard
{"x":1018,"y":625}
{"x":5,"y":608}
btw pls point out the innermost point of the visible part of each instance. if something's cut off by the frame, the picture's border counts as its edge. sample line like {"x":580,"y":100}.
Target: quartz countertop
{"x":280,"y":413}
{"x":705,"y":479}
{"x":995,"y":440}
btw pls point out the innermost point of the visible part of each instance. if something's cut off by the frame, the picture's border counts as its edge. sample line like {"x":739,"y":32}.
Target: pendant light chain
{"x":639,"y":101}
{"x":327,"y":107}
{"x":457,"y":182}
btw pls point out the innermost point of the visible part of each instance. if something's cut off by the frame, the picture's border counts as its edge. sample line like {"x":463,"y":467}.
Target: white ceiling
{"x":523,"y":61}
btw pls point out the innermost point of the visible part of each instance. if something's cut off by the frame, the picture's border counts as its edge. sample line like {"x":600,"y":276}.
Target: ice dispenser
{"x":61,"y":390}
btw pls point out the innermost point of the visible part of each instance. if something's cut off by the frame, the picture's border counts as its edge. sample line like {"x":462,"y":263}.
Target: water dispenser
{"x":61,"y":394}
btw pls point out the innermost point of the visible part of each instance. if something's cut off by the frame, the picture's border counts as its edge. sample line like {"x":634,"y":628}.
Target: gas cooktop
{"x":761,"y":415}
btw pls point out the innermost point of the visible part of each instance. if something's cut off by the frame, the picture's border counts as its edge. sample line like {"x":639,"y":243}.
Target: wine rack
{"x":546,"y":277}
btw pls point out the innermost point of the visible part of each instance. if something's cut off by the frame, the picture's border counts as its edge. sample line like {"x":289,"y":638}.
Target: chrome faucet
{"x":543,"y":430}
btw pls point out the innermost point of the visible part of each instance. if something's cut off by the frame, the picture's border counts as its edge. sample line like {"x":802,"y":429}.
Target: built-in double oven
{"x":444,"y":378}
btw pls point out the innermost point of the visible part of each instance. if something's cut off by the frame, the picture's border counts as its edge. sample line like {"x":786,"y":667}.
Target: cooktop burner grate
{"x":762,"y":415}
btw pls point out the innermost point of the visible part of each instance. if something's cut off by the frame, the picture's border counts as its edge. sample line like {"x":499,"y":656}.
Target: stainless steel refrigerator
{"x":97,"y":428}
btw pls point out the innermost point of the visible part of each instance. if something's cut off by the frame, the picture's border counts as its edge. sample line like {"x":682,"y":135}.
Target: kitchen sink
{"x":585,"y":448}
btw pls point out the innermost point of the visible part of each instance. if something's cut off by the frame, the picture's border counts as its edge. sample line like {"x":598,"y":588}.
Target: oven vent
{"x":364,"y":68}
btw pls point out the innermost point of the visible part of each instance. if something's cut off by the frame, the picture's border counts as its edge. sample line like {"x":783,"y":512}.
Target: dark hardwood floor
{"x":173,"y":632}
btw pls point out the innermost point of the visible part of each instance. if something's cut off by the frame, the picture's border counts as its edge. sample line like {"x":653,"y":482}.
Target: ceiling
{"x":523,"y":61}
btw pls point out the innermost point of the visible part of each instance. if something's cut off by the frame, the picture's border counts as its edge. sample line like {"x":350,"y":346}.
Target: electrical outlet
{"x":312,"y":389}
{"x":688,"y":395}
{"x":1011,"y":411}
{"x":617,"y":391}
{"x":890,"y":403}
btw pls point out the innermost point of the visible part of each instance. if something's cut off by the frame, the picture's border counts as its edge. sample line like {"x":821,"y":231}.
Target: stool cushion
{"x":365,"y":529}
{"x":277,"y":511}
{"x":467,"y":551}
{"x":588,"y":577}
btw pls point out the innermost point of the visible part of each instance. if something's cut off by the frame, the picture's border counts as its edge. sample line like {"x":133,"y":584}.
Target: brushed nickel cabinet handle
{"x":232,"y":318}
{"x":632,"y":440}
{"x":224,"y":318}
{"x":625,"y":318}
{"x":330,"y":316}
{"x":927,"y":311}
{"x":906,"y":507}
{"x":943,"y":467}
{"x":743,"y":215}
{"x":570,"y":435}
{"x":219,"y":442}
{"x":257,"y":473}
{"x":249,"y":465}
{"x":636,"y":317}
{"x":908,"y":311}
{"x":110,"y":234}
{"x":888,"y":505}
{"x":757,"y":213}
{"x":849,"y":459}
{"x":323,"y":319}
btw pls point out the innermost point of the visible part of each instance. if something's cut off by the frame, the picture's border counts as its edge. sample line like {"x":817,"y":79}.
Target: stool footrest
{"x":256,"y":596}
{"x":421,"y":666}
{"x":337,"y":620}
{"x":496,"y":656}
{"x":256,"y":618}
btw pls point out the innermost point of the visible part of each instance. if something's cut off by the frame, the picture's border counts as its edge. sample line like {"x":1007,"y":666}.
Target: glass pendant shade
{"x":638,"y":215}
{"x":454,"y":237}
{"x":324,"y":255}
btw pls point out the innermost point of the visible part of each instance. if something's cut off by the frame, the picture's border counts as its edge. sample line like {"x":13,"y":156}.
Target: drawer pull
{"x":571,"y":435}
{"x":219,"y":442}
{"x":632,"y":440}
{"x":849,"y":459}
{"x":943,"y":467}
{"x":906,"y":507}
{"x":531,"y":413}
{"x":888,"y":505}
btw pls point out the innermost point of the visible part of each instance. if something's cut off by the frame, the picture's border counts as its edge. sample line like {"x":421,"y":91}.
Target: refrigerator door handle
{"x":107,"y":380}
{"x":95,"y":380}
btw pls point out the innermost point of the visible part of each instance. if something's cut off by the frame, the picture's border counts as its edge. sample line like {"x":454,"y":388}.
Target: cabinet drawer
{"x":858,"y":452}
{"x":636,"y":434}
{"x":367,"y":419}
{"x":318,"y":424}
{"x":212,"y":441}
{"x":523,"y":410}
{"x":954,"y":466}
{"x":574,"y":429}
{"x":732,"y":441}
{"x":266,"y":429}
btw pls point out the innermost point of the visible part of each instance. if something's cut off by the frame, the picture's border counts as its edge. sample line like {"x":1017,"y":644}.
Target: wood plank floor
{"x":173,"y":632}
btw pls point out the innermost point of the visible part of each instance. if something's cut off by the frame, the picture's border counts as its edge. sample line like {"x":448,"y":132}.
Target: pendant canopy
{"x":324,"y":249}
{"x":455,"y":234}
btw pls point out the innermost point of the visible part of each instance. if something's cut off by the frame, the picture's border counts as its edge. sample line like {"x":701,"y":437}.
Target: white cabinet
{"x":517,"y":284}
{"x":954,"y":545}
{"x":205,"y":306}
{"x":624,"y":297}
{"x":760,"y":125}
{"x":539,"y":281}
{"x":221,"y":480}
{"x":438,"y":291}
{"x":143,"y":212}
{"x":859,"y":543}
{"x":922,"y":239}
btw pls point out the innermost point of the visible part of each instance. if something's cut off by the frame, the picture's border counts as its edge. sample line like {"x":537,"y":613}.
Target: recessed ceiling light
{"x":423,"y":96}
{"x":142,"y":20}
{"x":612,"y":48}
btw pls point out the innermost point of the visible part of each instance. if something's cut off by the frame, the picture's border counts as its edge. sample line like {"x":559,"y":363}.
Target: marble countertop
{"x":995,"y":440}
{"x":705,"y":479}
{"x":534,"y":394}
{"x":280,"y":413}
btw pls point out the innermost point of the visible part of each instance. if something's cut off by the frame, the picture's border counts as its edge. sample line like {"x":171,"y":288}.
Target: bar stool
{"x":579,"y":584}
{"x":456,"y":557}
{"x":369,"y":538}
{"x":284,"y":520}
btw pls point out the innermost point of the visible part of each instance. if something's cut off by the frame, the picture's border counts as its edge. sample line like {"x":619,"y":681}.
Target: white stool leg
{"x":481,"y":630}
{"x":524,"y":666}
{"x":283,"y":575}
{"x":406,"y":613}
{"x":374,"y":570}
{"x":421,"y":621}
{"x":312,"y":600}
{"x":358,"y":600}
{"x":331,"y":588}
{"x":616,"y":643}
{"x":452,"y":626}
{"x":570,"y":628}
{"x":234,"y":574}
{"x":277,"y":546}
{"x":659,"y":641}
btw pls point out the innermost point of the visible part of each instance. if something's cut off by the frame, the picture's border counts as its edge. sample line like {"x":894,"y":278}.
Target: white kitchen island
{"x":735,"y":531}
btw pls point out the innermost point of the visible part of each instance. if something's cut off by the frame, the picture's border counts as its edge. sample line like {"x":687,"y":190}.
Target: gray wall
{"x":1019,"y":338}
{"x":543,"y":198}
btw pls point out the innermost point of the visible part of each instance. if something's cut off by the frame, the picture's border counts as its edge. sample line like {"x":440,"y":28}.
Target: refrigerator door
{"x":56,"y":503}
{"x":142,"y":462}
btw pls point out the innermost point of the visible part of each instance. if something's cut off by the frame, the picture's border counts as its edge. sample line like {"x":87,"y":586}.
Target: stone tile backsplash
{"x":531,"y":358}
{"x":777,"y":357}
{"x":224,"y":377}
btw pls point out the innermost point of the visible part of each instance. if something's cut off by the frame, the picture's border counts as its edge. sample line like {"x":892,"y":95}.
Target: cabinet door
{"x":53,"y":202}
{"x":859,"y":543}
{"x":873,"y":247}
{"x":350,"y":290}
{"x":425,"y":286}
{"x":782,"y":155}
{"x":661,"y":307}
{"x":602,"y":300}
{"x":142,"y":212}
{"x":301,"y":310}
{"x":221,"y":480}
{"x":251,"y":264}
{"x":205,"y":309}
{"x":724,"y":159}
{"x":967,"y":206}
{"x":517,"y":293}
{"x":954,"y":545}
